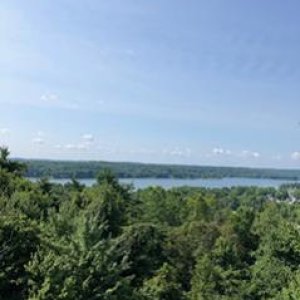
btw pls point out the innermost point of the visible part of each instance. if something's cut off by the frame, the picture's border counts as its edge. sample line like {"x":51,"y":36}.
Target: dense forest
{"x":90,"y":169}
{"x":113,"y":242}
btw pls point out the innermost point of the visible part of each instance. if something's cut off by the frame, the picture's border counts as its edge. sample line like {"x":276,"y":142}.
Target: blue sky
{"x":196,"y":82}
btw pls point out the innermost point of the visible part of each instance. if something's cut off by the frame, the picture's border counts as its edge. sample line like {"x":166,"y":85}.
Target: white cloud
{"x":295,"y":155}
{"x":52,"y":99}
{"x":49,"y":97}
{"x":221,"y":151}
{"x":38,"y":141}
{"x":218,"y":151}
{"x":250,"y":154}
{"x":181,"y":152}
{"x":88,"y":137}
{"x":87,"y":141}
{"x":255,"y":154}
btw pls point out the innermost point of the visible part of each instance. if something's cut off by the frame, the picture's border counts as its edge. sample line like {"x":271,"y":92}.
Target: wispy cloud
{"x":4,"y":131}
{"x":49,"y":97}
{"x":295,"y":155}
{"x":54,"y":100}
{"x":38,"y":141}
{"x":88,"y":137}
{"x":39,"y":138}
{"x":250,"y":154}
{"x":221,"y":151}
{"x":86,"y":143}
{"x":178,"y":151}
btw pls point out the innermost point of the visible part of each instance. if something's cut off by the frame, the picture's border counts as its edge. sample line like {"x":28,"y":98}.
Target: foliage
{"x":111,"y":242}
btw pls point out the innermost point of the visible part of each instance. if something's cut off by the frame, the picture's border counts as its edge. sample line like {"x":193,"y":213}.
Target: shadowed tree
{"x":9,"y":165}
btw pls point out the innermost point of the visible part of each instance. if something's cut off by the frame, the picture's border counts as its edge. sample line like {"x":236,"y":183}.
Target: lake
{"x":207,"y":183}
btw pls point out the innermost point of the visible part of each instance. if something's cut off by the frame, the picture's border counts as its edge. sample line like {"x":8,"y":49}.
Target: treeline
{"x":111,"y":242}
{"x":90,"y":169}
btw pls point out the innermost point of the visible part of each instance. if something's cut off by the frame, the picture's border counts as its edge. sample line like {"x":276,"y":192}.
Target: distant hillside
{"x":90,"y":169}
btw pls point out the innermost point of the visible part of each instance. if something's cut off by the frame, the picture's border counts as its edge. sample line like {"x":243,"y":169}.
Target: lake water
{"x":207,"y":183}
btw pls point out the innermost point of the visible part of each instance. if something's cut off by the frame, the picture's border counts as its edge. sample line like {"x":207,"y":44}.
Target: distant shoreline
{"x":90,"y":169}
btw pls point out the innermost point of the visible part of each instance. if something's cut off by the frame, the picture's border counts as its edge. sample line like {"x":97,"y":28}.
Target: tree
{"x":19,"y":240}
{"x":216,"y":276}
{"x":9,"y":165}
{"x":143,"y":245}
{"x":163,"y":286}
{"x":83,"y":266}
{"x":292,"y":291}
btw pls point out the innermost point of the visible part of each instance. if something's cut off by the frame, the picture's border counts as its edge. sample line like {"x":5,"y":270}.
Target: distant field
{"x":90,"y":169}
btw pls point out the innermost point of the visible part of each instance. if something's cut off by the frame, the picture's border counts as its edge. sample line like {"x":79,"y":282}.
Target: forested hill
{"x":89,"y":169}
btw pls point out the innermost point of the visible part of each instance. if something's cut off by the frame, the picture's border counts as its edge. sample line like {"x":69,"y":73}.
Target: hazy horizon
{"x":211,"y":83}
